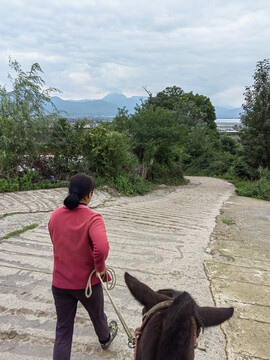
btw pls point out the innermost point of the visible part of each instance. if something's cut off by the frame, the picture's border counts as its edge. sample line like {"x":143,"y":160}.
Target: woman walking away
{"x":80,"y":245}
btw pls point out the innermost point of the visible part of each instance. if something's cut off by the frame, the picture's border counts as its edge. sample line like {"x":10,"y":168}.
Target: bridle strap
{"x":194,"y":331}
{"x":161,"y":306}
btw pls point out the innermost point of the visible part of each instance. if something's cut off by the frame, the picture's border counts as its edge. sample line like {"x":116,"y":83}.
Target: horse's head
{"x":172,"y":329}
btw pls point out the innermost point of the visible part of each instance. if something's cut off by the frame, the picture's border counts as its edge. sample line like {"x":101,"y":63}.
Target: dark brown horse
{"x":175,"y":321}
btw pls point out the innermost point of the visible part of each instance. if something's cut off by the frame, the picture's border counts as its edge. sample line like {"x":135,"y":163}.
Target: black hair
{"x":80,"y":185}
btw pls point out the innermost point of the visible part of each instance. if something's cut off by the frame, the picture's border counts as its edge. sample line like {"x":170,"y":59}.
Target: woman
{"x":80,"y":245}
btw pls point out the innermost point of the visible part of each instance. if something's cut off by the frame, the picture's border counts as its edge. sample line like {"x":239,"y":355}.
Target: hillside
{"x":108,"y":107}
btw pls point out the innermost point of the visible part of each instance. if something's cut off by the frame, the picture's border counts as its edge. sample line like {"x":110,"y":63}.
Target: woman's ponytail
{"x":80,"y":185}
{"x":72,"y":201}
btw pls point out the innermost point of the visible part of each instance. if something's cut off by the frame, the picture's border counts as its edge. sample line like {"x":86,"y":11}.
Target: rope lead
{"x":110,"y":286}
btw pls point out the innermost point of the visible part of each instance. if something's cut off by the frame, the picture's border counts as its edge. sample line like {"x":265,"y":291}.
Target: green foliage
{"x":18,"y":232}
{"x":66,"y":144}
{"x":189,"y":108}
{"x":164,"y":174}
{"x":220,"y":164}
{"x":122,"y":121}
{"x":151,"y":129}
{"x":28,"y":181}
{"x":205,"y":153}
{"x":255,"y":134}
{"x":9,"y":214}
{"x":167,"y":98}
{"x":259,"y":189}
{"x":241,"y":169}
{"x":171,"y":131}
{"x":202,"y":141}
{"x":7,"y":185}
{"x":228,"y":221}
{"x":193,"y":109}
{"x":131,"y":185}
{"x":107,"y":152}
{"x":229,"y":144}
{"x":196,"y":139}
{"x":25,"y":182}
{"x":155,"y":136}
{"x":23,"y":122}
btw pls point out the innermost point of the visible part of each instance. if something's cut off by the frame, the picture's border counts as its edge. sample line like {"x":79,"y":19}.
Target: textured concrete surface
{"x":160,"y":238}
{"x":239,"y":273}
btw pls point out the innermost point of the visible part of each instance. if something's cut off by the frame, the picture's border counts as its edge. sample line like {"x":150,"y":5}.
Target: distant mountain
{"x":108,"y":106}
{"x":83,"y":108}
{"x":228,"y":112}
{"x":121,"y":100}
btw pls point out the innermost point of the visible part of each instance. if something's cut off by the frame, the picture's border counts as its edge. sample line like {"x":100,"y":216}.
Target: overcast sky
{"x":88,"y":48}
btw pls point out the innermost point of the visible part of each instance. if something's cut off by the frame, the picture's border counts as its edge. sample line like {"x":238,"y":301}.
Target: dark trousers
{"x":66,"y":306}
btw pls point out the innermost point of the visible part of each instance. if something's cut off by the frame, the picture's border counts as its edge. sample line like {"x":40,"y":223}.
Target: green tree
{"x":155,"y":138}
{"x":189,"y":108}
{"x":166,"y":98}
{"x":23,"y":119}
{"x":196,"y":115}
{"x":202,"y":147}
{"x":193,"y":109}
{"x":229,"y":144}
{"x":255,"y":134}
{"x":107,"y":152}
{"x":66,"y":144}
{"x":122,"y":121}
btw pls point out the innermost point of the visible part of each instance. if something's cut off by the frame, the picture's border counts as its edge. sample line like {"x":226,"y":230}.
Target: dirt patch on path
{"x":239,"y":274}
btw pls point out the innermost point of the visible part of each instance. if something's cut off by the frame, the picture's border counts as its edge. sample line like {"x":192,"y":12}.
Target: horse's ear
{"x":211,"y":316}
{"x":169,"y":292}
{"x":143,"y":293}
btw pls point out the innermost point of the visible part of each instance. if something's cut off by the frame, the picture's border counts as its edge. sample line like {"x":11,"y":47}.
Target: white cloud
{"x":92,"y":47}
{"x":232,"y":96}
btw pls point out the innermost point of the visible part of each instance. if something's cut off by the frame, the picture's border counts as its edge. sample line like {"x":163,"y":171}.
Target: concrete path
{"x":239,"y":273}
{"x":160,"y":238}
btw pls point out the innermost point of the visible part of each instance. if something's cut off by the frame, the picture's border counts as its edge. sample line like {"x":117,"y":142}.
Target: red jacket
{"x":80,"y":245}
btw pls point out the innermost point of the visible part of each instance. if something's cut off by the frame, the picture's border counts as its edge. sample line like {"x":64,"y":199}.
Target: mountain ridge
{"x":109,"y":104}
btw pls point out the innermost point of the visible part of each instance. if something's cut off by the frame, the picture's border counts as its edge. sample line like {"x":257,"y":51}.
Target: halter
{"x":194,"y":331}
{"x":147,"y":316}
{"x":160,"y":306}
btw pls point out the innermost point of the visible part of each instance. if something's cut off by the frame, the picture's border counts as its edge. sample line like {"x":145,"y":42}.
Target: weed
{"x":18,"y":232}
{"x":9,"y":214}
{"x":227,"y":221}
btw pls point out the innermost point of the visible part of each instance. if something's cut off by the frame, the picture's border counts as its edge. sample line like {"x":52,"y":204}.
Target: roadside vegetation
{"x":20,"y":231}
{"x":170,"y":135}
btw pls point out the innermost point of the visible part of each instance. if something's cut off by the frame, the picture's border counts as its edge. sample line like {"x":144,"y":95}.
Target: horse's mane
{"x":177,"y":332}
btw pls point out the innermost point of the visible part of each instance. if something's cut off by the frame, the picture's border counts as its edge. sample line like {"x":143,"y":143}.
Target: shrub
{"x":9,"y":185}
{"x":131,"y":185}
{"x":259,"y":189}
{"x":241,"y":169}
{"x":107,"y":152}
{"x":165,"y":174}
{"x":29,"y":181}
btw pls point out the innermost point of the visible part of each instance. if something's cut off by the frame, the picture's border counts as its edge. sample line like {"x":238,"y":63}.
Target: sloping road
{"x":160,"y":238}
{"x":239,"y":274}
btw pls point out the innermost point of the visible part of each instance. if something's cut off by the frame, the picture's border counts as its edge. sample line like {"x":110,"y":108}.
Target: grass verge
{"x":9,"y":214}
{"x":18,"y":232}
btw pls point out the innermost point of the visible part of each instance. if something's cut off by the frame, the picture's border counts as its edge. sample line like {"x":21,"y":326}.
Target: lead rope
{"x":110,"y":286}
